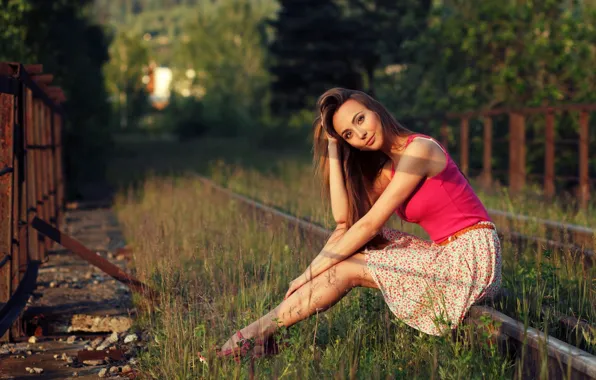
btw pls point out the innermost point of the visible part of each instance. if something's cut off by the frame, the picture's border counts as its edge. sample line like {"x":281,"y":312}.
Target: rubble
{"x":131,"y":338}
{"x":103,"y":372}
{"x":91,"y":323}
{"x":108,"y":342}
{"x":96,"y":342}
{"x":93,"y":362}
{"x":34,"y":370}
{"x":59,"y":309}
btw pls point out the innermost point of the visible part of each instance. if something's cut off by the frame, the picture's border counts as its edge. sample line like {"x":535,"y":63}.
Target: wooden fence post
{"x":549,"y":155}
{"x":584,"y":159}
{"x":487,"y":153}
{"x":464,"y":148}
{"x":517,"y":152}
{"x":444,"y":134}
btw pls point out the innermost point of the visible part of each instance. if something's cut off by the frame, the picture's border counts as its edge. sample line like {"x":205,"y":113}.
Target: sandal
{"x":243,"y":345}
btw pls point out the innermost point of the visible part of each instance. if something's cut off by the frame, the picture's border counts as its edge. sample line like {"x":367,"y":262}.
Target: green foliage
{"x":225,"y":47}
{"x":184,"y":117}
{"x":310,"y":53}
{"x":13,"y":30}
{"x":128,"y":58}
{"x":59,"y":35}
{"x":499,"y":53}
{"x":378,"y":28}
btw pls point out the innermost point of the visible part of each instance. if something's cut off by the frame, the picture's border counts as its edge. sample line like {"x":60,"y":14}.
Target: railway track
{"x":575,"y":238}
{"x":535,"y":349}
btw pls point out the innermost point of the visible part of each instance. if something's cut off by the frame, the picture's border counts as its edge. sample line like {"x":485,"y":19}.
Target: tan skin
{"x":339,"y":268}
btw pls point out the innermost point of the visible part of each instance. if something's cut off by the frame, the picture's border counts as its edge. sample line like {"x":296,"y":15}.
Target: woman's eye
{"x":360,"y":119}
{"x":348,"y":135}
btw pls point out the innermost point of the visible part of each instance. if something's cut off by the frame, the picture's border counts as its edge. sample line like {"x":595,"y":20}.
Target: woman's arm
{"x":337,"y":188}
{"x":413,"y":166}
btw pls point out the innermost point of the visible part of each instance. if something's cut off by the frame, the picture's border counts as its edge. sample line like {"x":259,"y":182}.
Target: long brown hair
{"x":360,"y":168}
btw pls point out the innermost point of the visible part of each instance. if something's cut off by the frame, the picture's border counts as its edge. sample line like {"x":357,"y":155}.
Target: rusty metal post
{"x":517,"y":152}
{"x":464,"y":146}
{"x":51,"y":167}
{"x":78,"y":248}
{"x":549,"y":155}
{"x":35,"y":148}
{"x":584,"y":159}
{"x":20,"y":247}
{"x":46,"y":170}
{"x":6,"y":196}
{"x":30,"y":183}
{"x":58,"y":128}
{"x":487,"y":153}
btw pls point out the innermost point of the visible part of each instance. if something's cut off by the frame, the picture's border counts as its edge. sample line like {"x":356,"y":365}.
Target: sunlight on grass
{"x":219,"y":269}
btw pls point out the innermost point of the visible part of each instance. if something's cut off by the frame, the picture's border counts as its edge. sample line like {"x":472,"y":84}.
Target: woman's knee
{"x":354,"y":271}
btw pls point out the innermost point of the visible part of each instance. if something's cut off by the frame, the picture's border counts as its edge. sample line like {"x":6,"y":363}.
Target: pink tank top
{"x":442,"y":204}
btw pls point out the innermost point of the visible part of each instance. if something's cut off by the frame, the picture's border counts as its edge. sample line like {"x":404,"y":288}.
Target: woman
{"x":372,"y":166}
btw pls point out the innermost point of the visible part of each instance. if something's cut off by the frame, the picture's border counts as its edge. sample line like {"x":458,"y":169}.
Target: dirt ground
{"x":76,"y":307}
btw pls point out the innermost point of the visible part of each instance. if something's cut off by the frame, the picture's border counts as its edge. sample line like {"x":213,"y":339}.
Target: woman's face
{"x":358,"y":126}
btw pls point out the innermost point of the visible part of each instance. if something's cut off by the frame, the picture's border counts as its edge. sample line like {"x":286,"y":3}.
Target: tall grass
{"x":234,"y":161}
{"x":219,"y":269}
{"x":199,"y":250}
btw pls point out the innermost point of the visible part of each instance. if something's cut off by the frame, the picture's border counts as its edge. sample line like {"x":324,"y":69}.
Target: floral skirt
{"x":431,"y":287}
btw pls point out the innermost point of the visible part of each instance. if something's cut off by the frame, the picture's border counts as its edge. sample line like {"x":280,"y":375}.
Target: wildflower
{"x":202,"y":359}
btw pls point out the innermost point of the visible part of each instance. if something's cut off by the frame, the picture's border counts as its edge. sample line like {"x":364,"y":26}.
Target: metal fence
{"x":31,"y":182}
{"x":456,"y":128}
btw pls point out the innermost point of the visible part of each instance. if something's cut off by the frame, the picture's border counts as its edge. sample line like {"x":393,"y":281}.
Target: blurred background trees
{"x":62,"y":36}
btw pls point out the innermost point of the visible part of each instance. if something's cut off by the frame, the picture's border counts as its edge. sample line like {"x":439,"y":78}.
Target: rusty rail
{"x":516,"y":137}
{"x":31,"y":182}
{"x":564,"y":236}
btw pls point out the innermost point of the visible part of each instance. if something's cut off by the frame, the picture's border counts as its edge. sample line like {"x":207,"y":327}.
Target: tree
{"x":379,"y":28}
{"x":225,"y":49}
{"x":59,"y":35}
{"x":13,"y":30}
{"x":311,"y":52}
{"x":124,"y":72}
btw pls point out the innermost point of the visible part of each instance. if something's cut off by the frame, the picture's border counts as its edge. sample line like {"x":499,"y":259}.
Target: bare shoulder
{"x":428,"y":153}
{"x":422,"y":147}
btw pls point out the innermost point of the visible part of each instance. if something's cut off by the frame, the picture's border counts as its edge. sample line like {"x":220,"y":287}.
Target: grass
{"x":219,"y":269}
{"x":226,"y":266}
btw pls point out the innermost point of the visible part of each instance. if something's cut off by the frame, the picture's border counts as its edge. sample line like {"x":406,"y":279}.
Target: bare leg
{"x":319,"y":294}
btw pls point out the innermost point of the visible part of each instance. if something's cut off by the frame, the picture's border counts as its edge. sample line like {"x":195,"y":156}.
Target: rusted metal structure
{"x":31,"y":182}
{"x":458,"y":124}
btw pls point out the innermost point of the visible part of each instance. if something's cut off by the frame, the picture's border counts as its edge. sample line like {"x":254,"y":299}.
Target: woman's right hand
{"x":330,"y":138}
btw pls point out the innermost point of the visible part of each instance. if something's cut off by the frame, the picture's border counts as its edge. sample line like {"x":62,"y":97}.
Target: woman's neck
{"x":394,"y":149}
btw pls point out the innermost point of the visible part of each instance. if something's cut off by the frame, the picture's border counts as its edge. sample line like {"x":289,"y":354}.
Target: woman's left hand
{"x":296,"y":284}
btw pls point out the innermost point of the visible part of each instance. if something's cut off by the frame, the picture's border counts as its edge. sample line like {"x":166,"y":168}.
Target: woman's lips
{"x":371,"y":141}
